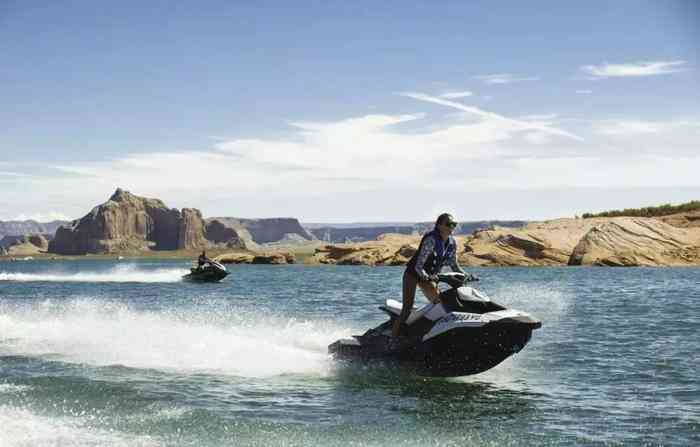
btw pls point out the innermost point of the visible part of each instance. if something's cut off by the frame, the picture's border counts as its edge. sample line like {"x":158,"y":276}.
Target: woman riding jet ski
{"x":466,"y":333}
{"x":206,"y":270}
{"x":460,"y":332}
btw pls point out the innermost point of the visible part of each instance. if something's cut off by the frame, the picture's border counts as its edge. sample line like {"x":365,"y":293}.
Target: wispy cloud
{"x":584,"y":92}
{"x":456,"y":95}
{"x":606,"y":70}
{"x":12,"y":174}
{"x":42,"y":217}
{"x":539,"y":117}
{"x":513,"y":124}
{"x":640,"y":127}
{"x":340,"y":168}
{"x":504,"y":78}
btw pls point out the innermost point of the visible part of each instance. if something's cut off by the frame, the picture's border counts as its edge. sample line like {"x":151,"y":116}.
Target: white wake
{"x":190,"y":340}
{"x":121,"y":273}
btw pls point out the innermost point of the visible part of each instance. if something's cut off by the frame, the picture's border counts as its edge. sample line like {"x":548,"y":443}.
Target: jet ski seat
{"x":394,"y":307}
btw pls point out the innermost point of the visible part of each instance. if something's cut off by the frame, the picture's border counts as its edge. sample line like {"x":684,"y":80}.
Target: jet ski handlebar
{"x":456,"y":279}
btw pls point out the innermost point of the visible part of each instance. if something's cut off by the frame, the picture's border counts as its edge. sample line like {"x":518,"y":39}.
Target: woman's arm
{"x":426,"y":249}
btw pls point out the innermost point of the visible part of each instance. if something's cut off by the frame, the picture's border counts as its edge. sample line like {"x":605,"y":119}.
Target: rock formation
{"x":235,"y":258}
{"x":191,"y":230}
{"x":221,"y":235}
{"x":130,"y":223}
{"x":22,"y":227}
{"x":273,"y":230}
{"x":683,"y":220}
{"x":537,"y":243}
{"x":264,"y":231}
{"x":24,"y":246}
{"x":388,"y":249}
{"x":629,"y":241}
{"x":257,"y":258}
{"x":625,"y":241}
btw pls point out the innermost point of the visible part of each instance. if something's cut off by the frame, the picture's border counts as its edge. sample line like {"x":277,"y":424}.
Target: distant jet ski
{"x":210,"y":271}
{"x":465,"y":334}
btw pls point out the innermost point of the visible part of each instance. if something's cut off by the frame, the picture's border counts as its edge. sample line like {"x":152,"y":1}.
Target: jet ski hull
{"x":207,"y":274}
{"x":459,"y":352}
{"x":205,"y":277}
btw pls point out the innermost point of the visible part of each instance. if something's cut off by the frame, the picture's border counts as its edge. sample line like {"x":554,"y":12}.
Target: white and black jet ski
{"x":211,"y":271}
{"x":467,"y":333}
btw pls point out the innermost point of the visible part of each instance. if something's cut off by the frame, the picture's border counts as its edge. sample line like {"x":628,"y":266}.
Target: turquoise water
{"x":101,"y":353}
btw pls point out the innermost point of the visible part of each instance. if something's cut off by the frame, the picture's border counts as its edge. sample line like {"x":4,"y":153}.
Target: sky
{"x":335,"y":111}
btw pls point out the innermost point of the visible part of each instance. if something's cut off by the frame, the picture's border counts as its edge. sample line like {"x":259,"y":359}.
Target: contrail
{"x":490,"y":115}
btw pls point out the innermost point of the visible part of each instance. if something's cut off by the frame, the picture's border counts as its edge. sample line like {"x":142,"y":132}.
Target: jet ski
{"x":466,"y":333}
{"x":211,"y":271}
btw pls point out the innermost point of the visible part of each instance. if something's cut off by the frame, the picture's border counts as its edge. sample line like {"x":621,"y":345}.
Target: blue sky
{"x":350,"y":111}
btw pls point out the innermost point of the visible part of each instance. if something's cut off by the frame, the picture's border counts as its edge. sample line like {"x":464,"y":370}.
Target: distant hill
{"x":359,"y":232}
{"x":23,"y":227}
{"x":264,"y":231}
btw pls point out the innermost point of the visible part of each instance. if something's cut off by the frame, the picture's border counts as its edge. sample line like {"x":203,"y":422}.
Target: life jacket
{"x":441,"y":252}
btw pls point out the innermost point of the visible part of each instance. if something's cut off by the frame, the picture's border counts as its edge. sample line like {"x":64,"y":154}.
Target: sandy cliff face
{"x":388,"y":249}
{"x":128,"y":222}
{"x":191,"y":230}
{"x":683,"y":220}
{"x":625,"y":241}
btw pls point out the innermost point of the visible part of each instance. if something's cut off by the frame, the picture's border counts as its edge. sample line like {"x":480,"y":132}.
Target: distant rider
{"x":437,"y":249}
{"x":202,"y":259}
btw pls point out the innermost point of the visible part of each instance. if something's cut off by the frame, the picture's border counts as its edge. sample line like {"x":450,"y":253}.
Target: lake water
{"x":103,"y":353}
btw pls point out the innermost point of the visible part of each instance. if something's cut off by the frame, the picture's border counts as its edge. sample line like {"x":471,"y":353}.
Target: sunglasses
{"x":451,"y":224}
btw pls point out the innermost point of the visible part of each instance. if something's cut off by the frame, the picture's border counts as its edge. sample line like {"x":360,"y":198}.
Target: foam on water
{"x":121,"y":273}
{"x":194,"y":340}
{"x":8,"y":388}
{"x":21,"y":427}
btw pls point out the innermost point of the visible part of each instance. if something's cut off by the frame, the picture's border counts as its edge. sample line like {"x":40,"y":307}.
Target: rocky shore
{"x":134,"y":226}
{"x":618,"y":241}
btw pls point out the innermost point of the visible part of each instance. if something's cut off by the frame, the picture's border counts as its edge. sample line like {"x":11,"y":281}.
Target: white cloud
{"x":456,"y":95}
{"x":539,"y":117}
{"x":504,"y":78}
{"x":538,"y":138}
{"x":639,"y":127}
{"x":594,"y":172}
{"x":584,"y":92}
{"x":12,"y":174}
{"x":633,"y":70}
{"x":366,"y":153}
{"x":42,"y":217}
{"x":340,"y":169}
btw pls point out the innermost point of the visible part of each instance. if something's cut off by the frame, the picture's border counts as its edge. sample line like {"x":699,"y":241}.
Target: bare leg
{"x":430,"y":290}
{"x":409,"y":296}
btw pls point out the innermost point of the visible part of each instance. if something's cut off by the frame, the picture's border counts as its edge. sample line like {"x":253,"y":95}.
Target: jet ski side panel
{"x":466,"y":351}
{"x":459,"y":351}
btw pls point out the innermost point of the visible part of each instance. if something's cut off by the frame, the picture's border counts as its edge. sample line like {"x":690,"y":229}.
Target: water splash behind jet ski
{"x":467,"y":333}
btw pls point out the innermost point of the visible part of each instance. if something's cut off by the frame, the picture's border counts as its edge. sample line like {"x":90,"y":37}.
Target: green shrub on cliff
{"x":650,"y":211}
